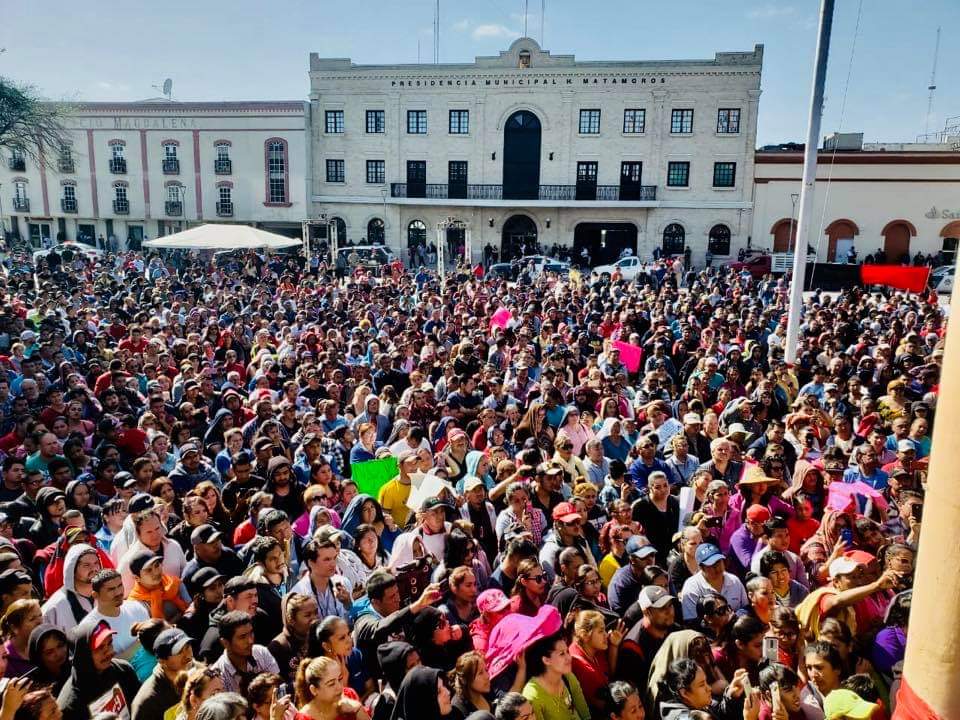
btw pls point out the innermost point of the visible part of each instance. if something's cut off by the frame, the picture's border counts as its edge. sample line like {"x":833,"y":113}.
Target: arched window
{"x":416,"y":234}
{"x":375,"y":234}
{"x":719,"y":241}
{"x":674,"y":238}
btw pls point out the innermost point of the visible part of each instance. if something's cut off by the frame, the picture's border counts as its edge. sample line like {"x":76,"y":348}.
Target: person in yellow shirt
{"x":394,"y":494}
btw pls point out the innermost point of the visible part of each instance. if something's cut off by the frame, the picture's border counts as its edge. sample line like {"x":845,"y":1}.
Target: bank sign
{"x":544,"y":82}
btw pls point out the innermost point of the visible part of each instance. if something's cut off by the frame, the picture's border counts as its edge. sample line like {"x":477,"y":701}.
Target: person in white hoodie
{"x":71,"y":603}
{"x":151,"y":537}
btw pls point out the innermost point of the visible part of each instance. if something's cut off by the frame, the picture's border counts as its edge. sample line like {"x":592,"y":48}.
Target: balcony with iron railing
{"x":68,"y":205}
{"x":21,"y":204}
{"x":223,"y":166}
{"x":171,"y":166}
{"x":585,"y":192}
{"x":17,"y":164}
{"x":121,"y":207}
{"x":118,"y":166}
{"x":65,"y":165}
{"x":224,"y":208}
{"x":173,"y":208}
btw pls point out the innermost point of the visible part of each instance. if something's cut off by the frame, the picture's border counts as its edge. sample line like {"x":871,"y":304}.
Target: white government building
{"x":140,"y":170}
{"x":530,"y":146}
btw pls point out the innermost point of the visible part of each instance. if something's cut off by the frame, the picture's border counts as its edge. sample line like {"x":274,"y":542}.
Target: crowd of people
{"x":612,"y":499}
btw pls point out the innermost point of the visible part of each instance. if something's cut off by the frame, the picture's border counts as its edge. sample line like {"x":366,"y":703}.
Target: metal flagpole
{"x":809,"y":180}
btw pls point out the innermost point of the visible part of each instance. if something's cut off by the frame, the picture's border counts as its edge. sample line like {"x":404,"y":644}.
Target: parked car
{"x":371,"y":256}
{"x":559,"y":267}
{"x":761,"y":265}
{"x":941,"y":279}
{"x":629,"y":267}
{"x":504,"y":271}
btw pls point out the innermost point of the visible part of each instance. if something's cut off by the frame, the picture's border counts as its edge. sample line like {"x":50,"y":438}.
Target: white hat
{"x":692,"y":418}
{"x":736,"y":428}
{"x":842,"y":566}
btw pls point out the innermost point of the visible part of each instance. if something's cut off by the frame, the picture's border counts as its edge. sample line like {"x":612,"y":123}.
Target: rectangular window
{"x":416,"y":122}
{"x":117,"y":150}
{"x":170,"y":152}
{"x":223,"y":152}
{"x":120,"y":193}
{"x":173,"y":193}
{"x":376,"y":121}
{"x":69,"y":193}
{"x":457,"y":179}
{"x":333,"y":121}
{"x":678,"y":174}
{"x":681,"y":122}
{"x":276,"y":172}
{"x":459,"y":122}
{"x":376,"y":172}
{"x":226,"y":194}
{"x":728,"y":121}
{"x":20,"y":190}
{"x":589,"y":122}
{"x":335,"y":171}
{"x":634,"y":121}
{"x":724,"y":174}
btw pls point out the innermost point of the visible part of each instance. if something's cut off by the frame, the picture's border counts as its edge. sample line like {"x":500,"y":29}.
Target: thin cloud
{"x":493,"y":30}
{"x":770,"y":11}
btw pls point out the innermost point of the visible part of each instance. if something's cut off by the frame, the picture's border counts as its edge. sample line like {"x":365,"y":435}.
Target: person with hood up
{"x":423,"y":694}
{"x":53,"y":574}
{"x":281,"y":484}
{"x":98,"y":682}
{"x":213,"y":439}
{"x":150,"y":533}
{"x":396,"y":659}
{"x":364,"y":509}
{"x":71,"y":603}
{"x":78,"y":497}
{"x":49,"y":655}
{"x":371,"y":414}
{"x":52,"y":504}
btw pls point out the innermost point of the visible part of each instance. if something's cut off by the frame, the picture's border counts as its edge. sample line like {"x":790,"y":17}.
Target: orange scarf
{"x":169,"y":591}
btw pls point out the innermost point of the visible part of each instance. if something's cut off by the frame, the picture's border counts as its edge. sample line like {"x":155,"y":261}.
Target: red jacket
{"x":54,"y":555}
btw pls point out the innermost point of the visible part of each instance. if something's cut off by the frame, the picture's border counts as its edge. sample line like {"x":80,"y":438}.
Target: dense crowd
{"x":610,"y":499}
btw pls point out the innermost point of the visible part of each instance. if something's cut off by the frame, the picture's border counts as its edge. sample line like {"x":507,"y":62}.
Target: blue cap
{"x":639,"y":547}
{"x":708,"y":554}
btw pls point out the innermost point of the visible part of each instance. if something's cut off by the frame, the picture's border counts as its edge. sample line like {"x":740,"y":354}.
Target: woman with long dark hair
{"x":553,"y":689}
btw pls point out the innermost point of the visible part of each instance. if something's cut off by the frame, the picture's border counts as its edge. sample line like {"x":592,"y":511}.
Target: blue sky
{"x":214,"y":50}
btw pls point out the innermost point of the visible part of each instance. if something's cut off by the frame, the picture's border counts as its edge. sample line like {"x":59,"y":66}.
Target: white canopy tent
{"x":222,"y":237}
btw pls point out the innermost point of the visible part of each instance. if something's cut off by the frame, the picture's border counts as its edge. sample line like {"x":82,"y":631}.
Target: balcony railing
{"x":173,"y":207}
{"x":17,"y":164}
{"x":171,"y":166}
{"x":21,"y":204}
{"x":65,"y":165}
{"x":118,"y":166}
{"x":121,"y":207}
{"x":68,"y":205}
{"x":223,"y":166}
{"x":443,"y":191}
{"x":224,"y":208}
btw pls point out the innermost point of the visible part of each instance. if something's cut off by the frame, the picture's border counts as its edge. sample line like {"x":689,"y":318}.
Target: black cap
{"x":432,"y":503}
{"x":203,"y":578}
{"x":141,"y":502}
{"x":141,"y":560}
{"x":9,"y":579}
{"x":237,"y":585}
{"x":170,"y":642}
{"x":204,"y":534}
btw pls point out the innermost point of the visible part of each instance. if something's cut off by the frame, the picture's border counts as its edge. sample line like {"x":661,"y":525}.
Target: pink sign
{"x":500,"y":318}
{"x":631,"y":355}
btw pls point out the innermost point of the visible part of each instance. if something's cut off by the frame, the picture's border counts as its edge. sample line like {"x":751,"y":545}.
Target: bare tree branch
{"x":28,"y":124}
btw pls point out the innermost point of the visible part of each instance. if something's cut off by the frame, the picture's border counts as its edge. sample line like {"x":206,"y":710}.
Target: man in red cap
{"x":567,"y":532}
{"x":746,"y":540}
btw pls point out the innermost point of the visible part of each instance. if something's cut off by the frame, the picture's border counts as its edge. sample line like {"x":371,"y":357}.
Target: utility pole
{"x":526,"y":8}
{"x":807,"y":188}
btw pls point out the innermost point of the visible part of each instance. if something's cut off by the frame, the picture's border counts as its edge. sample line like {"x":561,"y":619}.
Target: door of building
{"x":38,"y":233}
{"x":135,"y":237}
{"x":416,"y":178}
{"x":521,"y":157}
{"x":586,"y":180}
{"x":457,"y":179}
{"x":87,"y":234}
{"x":630,"y":175}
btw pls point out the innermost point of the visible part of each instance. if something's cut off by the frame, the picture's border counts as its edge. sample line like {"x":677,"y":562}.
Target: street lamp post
{"x":383,"y":195}
{"x":793,"y":212}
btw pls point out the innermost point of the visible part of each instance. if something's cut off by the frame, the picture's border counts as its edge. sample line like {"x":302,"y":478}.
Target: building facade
{"x":532,"y":147}
{"x":134,"y":171}
{"x":901,"y":198}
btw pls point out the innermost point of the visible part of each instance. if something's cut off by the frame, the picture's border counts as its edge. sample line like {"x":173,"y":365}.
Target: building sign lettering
{"x":935,"y":214}
{"x":120,"y":122}
{"x":543,"y":82}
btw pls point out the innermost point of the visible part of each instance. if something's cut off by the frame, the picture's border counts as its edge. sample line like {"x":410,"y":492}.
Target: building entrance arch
{"x":518,"y":238}
{"x":604,"y":242}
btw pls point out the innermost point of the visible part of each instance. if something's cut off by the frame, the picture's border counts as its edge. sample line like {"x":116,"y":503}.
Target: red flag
{"x":903,"y":277}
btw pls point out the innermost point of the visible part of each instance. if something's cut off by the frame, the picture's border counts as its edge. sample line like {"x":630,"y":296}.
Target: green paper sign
{"x":372,"y":475}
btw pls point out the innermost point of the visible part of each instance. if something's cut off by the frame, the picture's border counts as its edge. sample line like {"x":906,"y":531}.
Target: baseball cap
{"x":205,"y":533}
{"x":202,"y":579}
{"x":654,"y":596}
{"x":692,"y":418}
{"x":100,"y":634}
{"x":639,"y":547}
{"x":239,"y":584}
{"x":565,"y":512}
{"x":841,"y":566}
{"x":140,"y":502}
{"x":187,"y":448}
{"x":492,"y":600}
{"x":327,"y":532}
{"x":432,"y":503}
{"x":758,"y":513}
{"x":170,"y":642}
{"x":737,"y":429}
{"x":847,"y":704}
{"x":709,"y":554}
{"x":143,"y":558}
{"x":906,"y":446}
{"x":471,"y":482}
